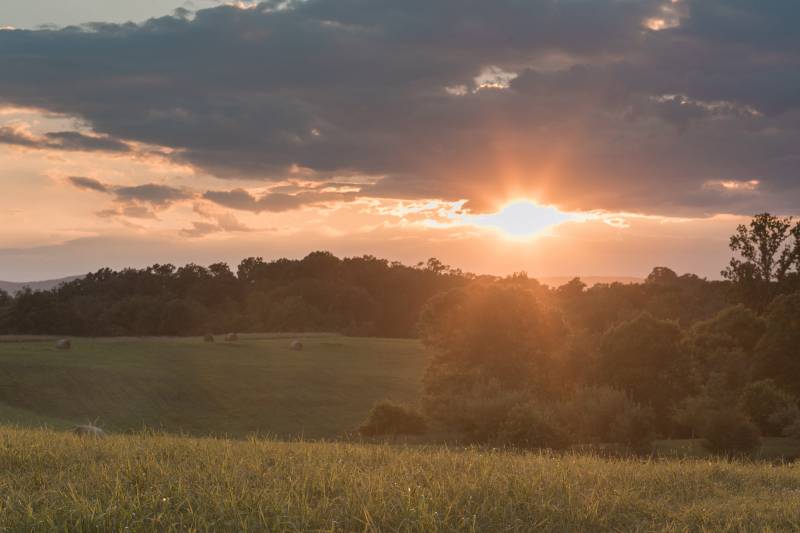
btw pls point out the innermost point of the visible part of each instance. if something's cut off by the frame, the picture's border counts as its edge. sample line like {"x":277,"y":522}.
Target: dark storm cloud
{"x":603,"y":113}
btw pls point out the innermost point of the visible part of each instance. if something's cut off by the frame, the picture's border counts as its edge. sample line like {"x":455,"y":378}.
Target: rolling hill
{"x":255,"y":385}
{"x":12,"y":287}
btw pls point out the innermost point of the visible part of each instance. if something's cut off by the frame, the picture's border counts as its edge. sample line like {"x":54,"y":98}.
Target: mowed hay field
{"x":54,"y":480}
{"x":254,"y":385}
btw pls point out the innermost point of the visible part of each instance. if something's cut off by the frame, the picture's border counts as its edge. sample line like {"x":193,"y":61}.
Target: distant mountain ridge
{"x":13,"y":287}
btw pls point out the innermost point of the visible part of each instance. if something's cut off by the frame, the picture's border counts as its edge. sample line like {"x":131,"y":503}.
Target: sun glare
{"x":521,"y":219}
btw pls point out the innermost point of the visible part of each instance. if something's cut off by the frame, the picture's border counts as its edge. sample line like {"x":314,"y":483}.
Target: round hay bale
{"x":232,"y":337}
{"x":88,"y":430}
{"x":63,"y":344}
{"x":208,"y":338}
{"x":297,"y":346}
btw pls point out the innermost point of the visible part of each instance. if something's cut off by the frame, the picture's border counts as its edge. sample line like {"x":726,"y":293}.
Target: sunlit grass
{"x":165,"y":483}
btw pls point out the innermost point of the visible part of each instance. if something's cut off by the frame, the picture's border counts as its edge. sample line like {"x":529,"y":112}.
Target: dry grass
{"x":164,"y":483}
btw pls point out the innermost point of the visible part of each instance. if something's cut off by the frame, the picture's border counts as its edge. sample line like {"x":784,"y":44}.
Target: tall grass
{"x":54,"y":481}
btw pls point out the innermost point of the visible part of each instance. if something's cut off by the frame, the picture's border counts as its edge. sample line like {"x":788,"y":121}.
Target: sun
{"x":521,"y":219}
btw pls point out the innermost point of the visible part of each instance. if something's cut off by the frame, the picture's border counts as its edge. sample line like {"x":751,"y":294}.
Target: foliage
{"x":724,"y":345}
{"x":531,"y":426}
{"x":605,"y":415}
{"x":491,"y":350}
{"x":777,"y":355}
{"x":391,"y":419}
{"x":361,"y":295}
{"x":693,"y":412}
{"x":729,"y":432}
{"x":768,"y":250}
{"x":644,"y":357}
{"x":792,"y":430}
{"x":769,"y":406}
{"x":475,"y":410}
{"x":502,"y":331}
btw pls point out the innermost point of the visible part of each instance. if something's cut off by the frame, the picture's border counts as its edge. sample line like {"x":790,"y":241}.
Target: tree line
{"x":512,"y":360}
{"x":363,"y":296}
{"x":515,"y":363}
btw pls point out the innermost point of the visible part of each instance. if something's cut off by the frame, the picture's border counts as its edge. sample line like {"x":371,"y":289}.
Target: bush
{"x":391,"y":419}
{"x":529,"y":427}
{"x":606,"y":415}
{"x":729,"y":432}
{"x":792,"y":430}
{"x":769,"y":406}
{"x":464,"y":403}
{"x":633,"y":428}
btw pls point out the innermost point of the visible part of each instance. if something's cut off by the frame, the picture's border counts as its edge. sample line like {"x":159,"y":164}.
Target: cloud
{"x":200,"y":229}
{"x":129,"y":211}
{"x":151,"y":193}
{"x":133,"y":198}
{"x":60,"y":140}
{"x":90,"y":184}
{"x":275,"y":201}
{"x":221,"y":222}
{"x":582,"y":105}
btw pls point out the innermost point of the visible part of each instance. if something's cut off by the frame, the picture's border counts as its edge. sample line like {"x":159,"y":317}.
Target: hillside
{"x":183,"y":384}
{"x":162,"y":483}
{"x":12,"y":287}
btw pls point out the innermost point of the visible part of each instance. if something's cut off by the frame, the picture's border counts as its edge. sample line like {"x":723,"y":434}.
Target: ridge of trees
{"x":515,"y":364}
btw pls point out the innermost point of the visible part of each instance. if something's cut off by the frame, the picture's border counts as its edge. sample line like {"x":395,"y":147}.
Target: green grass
{"x":56,"y":481}
{"x":255,"y":385}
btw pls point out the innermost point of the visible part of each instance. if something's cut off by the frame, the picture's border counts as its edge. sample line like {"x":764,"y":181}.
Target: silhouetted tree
{"x":768,"y":248}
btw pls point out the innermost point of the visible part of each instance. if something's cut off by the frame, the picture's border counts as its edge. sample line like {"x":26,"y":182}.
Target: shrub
{"x":465,"y":403}
{"x":792,"y":430}
{"x":769,"y":406}
{"x":729,"y":432}
{"x":633,"y":428}
{"x":606,"y":415}
{"x":391,"y":419}
{"x":528,"y":426}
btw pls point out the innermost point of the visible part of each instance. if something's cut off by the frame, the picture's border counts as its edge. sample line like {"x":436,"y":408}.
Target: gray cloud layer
{"x":61,"y":140}
{"x":603,"y":113}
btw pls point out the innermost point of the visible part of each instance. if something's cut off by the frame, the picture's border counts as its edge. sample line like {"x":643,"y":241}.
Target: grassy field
{"x":55,"y":480}
{"x":144,"y":481}
{"x":255,"y":385}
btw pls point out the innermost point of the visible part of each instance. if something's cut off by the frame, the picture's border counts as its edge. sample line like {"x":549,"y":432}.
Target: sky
{"x":556,"y":137}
